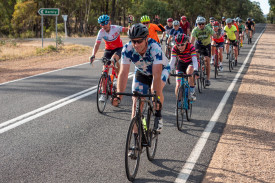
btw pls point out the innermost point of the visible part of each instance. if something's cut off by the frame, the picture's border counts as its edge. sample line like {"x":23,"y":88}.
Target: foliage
{"x":49,"y":49}
{"x":20,"y":17}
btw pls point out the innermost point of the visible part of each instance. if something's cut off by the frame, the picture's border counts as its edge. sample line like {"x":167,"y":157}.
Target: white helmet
{"x":200,"y":20}
{"x":176,"y":22}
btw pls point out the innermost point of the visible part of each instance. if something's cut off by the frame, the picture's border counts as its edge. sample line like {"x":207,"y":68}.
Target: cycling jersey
{"x":175,"y":32}
{"x":185,"y":27}
{"x":249,"y":24}
{"x":220,"y":38}
{"x":241,"y":28}
{"x":168,"y":30}
{"x":230,"y":32}
{"x":185,"y":58}
{"x":111,"y":38}
{"x":203,"y":36}
{"x":153,"y":28}
{"x":210,"y":25}
{"x":237,"y":27}
{"x":144,"y":64}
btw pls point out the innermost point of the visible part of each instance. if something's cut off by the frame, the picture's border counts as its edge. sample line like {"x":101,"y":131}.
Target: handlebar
{"x":182,"y":75}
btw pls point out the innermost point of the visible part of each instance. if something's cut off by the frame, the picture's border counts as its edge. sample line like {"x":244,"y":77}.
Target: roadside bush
{"x":49,"y":49}
{"x":27,"y":34}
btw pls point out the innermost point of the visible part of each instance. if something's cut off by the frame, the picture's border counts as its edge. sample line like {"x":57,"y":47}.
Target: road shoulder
{"x":245,"y":152}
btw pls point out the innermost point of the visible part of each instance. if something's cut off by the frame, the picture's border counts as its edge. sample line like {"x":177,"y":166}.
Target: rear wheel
{"x":199,"y":83}
{"x":152,"y":136}
{"x":133,"y":150}
{"x":102,"y":91}
{"x":180,"y":109}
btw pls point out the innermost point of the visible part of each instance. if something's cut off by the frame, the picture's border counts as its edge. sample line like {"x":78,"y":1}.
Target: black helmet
{"x":138,"y":31}
{"x":181,"y":38}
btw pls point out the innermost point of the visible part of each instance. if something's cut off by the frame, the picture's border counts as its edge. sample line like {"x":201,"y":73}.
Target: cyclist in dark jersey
{"x":249,"y":26}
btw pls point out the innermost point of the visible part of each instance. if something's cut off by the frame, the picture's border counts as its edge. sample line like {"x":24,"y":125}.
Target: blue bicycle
{"x":184,"y":103}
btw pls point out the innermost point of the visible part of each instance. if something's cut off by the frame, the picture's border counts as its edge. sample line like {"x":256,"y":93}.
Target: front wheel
{"x":133,"y":150}
{"x":216,"y":66}
{"x":152,"y":136}
{"x":179,"y":112}
{"x":102,"y":93}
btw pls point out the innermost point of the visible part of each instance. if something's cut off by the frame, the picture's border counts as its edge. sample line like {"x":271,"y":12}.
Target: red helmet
{"x":181,"y":38}
{"x":183,"y":18}
{"x":170,"y":20}
{"x":216,"y":23}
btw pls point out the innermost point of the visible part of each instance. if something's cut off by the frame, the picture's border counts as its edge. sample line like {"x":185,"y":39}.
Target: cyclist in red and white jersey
{"x":185,"y":25}
{"x":111,"y":35}
{"x":113,"y":44}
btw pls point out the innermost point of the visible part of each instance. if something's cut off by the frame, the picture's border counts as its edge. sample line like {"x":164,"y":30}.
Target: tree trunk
{"x":113,"y":13}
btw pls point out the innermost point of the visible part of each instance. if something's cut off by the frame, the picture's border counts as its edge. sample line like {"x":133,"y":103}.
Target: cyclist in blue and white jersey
{"x":151,"y":67}
{"x":175,"y":31}
{"x":167,"y":31}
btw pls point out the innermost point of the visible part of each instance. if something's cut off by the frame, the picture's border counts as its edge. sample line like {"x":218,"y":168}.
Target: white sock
{"x":220,"y":63}
{"x":212,"y":57}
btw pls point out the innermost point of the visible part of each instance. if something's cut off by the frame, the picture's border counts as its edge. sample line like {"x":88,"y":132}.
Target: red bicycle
{"x":106,"y":84}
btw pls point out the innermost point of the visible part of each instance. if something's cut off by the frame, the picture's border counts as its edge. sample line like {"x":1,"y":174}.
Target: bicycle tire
{"x":199,"y":83}
{"x":100,"y":91}
{"x":188,"y":111}
{"x":136,"y":147}
{"x":152,"y":136}
{"x":230,"y":60}
{"x":180,"y":109}
{"x":203,"y":68}
{"x":216,"y":66}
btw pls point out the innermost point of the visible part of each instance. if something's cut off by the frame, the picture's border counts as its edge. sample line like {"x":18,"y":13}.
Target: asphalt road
{"x":65,"y":139}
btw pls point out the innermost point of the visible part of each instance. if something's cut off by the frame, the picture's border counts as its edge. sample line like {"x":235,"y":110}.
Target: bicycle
{"x":147,"y":136}
{"x":249,"y":39}
{"x":231,"y":57}
{"x":202,"y":73}
{"x":216,"y":60}
{"x":106,"y":84}
{"x":184,"y":100}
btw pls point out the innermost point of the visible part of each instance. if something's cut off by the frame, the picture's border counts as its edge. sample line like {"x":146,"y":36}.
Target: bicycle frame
{"x":108,"y":65}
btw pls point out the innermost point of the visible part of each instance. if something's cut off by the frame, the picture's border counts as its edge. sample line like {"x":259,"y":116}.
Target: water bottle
{"x":144,"y":123}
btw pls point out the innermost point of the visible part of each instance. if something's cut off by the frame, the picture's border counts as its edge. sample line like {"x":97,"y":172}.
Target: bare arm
{"x":123,"y":78}
{"x":96,"y":47}
{"x":192,"y":40}
{"x":157,"y":69}
{"x":169,"y":39}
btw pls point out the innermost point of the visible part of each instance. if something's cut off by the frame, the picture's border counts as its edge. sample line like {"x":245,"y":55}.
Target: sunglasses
{"x":216,"y":26}
{"x":212,"y":21}
{"x":229,"y":24}
{"x":201,"y":24}
{"x":138,"y":41}
{"x":181,"y":44}
{"x":104,"y":23}
{"x":145,"y":23}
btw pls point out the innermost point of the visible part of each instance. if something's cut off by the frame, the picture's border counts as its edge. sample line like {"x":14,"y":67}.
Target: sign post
{"x":49,"y":12}
{"x":65,"y":21}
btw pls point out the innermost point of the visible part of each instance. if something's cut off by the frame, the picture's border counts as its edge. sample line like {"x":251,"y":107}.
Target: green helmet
{"x":145,"y":18}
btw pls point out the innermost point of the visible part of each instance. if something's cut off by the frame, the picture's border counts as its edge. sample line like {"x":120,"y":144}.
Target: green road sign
{"x":48,"y":11}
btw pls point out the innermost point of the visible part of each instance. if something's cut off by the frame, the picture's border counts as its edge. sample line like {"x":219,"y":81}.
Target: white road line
{"x":10,"y":124}
{"x":195,"y":154}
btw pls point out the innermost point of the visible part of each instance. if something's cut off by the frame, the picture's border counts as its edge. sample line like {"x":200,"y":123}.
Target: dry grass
{"x":11,"y":50}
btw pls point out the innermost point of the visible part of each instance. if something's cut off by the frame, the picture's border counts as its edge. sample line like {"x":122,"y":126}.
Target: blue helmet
{"x":103,"y":19}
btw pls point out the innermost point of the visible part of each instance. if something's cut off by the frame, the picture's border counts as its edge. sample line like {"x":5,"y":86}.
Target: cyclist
{"x":185,"y":25}
{"x":175,"y":31}
{"x":151,"y":67}
{"x":223,"y":23}
{"x":168,"y":28}
{"x":153,"y":28}
{"x":253,"y":25}
{"x":249,"y":26}
{"x":241,"y":29}
{"x":113,"y":43}
{"x":187,"y":62}
{"x":202,"y":34}
{"x":219,"y":41}
{"x":232,"y":36}
{"x":211,"y":22}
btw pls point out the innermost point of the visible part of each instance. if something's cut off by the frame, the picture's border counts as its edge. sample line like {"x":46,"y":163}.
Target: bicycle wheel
{"x":199,"y":83}
{"x":216,"y":66}
{"x":152,"y":136}
{"x":230,"y":60}
{"x":180,"y":108}
{"x":102,"y":90}
{"x":133,"y":150}
{"x":188,"y":110}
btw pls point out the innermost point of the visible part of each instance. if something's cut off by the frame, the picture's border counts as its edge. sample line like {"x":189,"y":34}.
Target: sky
{"x":264,"y":5}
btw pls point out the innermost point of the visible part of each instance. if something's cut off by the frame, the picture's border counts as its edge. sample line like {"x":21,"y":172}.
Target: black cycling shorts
{"x":235,"y":43}
{"x":205,"y":50}
{"x":109,"y":53}
{"x":182,"y":67}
